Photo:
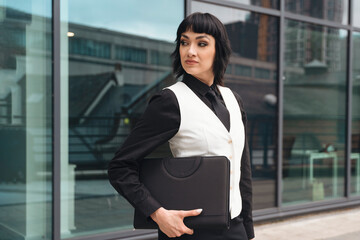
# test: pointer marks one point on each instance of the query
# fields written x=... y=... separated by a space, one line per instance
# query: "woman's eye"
x=183 y=43
x=203 y=44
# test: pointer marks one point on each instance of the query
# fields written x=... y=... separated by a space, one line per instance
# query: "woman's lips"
x=191 y=62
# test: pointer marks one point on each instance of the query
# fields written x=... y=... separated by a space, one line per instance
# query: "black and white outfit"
x=183 y=115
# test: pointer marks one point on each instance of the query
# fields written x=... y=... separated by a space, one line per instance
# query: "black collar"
x=197 y=85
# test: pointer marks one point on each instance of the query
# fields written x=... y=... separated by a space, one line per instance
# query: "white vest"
x=201 y=133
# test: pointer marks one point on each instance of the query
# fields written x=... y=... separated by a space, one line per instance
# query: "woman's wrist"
x=158 y=212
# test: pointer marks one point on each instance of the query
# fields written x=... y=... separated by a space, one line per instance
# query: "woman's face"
x=197 y=54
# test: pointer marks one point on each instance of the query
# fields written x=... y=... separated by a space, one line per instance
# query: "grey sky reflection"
x=154 y=19
x=157 y=19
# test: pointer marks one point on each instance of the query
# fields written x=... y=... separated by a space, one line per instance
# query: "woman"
x=197 y=116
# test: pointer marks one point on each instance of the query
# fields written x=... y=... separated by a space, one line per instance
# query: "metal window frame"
x=349 y=83
x=349 y=98
x=279 y=211
x=56 y=180
x=56 y=141
x=242 y=6
x=281 y=78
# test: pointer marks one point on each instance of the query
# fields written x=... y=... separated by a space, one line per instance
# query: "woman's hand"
x=171 y=222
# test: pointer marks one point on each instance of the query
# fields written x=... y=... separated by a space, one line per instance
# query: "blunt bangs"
x=209 y=24
x=199 y=23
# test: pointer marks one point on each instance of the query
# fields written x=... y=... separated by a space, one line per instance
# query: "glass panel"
x=333 y=10
x=355 y=133
x=115 y=55
x=355 y=12
x=254 y=41
x=261 y=3
x=25 y=119
x=314 y=112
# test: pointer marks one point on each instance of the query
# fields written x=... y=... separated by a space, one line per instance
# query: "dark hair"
x=209 y=24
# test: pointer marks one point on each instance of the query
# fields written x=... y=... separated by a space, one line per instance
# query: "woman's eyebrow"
x=198 y=37
x=202 y=36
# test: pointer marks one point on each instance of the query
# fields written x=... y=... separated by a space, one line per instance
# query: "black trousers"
x=235 y=232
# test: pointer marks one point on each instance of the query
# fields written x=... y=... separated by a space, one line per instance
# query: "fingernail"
x=199 y=210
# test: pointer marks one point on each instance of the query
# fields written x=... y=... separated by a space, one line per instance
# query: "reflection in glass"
x=261 y=3
x=116 y=57
x=355 y=12
x=335 y=10
x=355 y=131
x=25 y=120
x=252 y=73
x=314 y=112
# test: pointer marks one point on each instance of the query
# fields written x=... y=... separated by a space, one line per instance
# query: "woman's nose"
x=191 y=50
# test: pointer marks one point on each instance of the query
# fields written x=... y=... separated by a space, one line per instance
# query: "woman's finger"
x=191 y=213
x=188 y=231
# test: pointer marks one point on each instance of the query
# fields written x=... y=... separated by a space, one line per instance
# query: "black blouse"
x=159 y=123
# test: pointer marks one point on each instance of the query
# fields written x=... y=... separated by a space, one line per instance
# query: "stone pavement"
x=331 y=225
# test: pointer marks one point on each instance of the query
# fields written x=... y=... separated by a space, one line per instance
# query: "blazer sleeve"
x=246 y=179
x=159 y=123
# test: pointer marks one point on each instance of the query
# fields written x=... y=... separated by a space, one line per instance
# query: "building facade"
x=75 y=76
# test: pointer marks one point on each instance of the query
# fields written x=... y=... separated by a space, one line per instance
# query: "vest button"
x=230 y=141
x=230 y=188
x=231 y=172
x=230 y=157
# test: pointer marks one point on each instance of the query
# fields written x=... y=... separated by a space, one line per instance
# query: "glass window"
x=160 y=58
x=89 y=47
x=333 y=10
x=260 y=3
x=262 y=73
x=314 y=112
x=26 y=119
x=355 y=133
x=130 y=54
x=355 y=12
x=116 y=55
x=242 y=70
x=254 y=41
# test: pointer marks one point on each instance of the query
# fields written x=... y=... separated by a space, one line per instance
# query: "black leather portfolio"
x=186 y=184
